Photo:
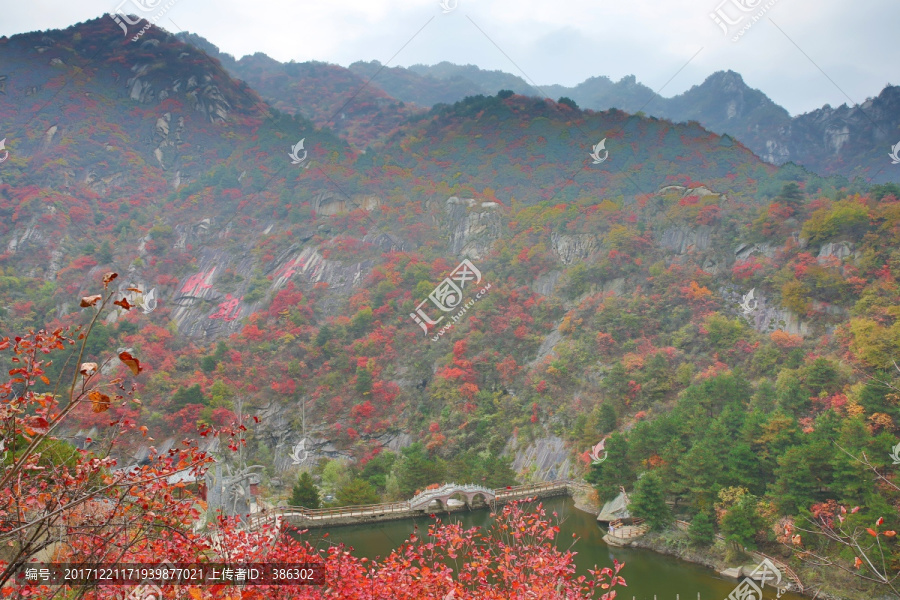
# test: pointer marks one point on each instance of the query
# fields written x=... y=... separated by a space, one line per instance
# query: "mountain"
x=852 y=142
x=328 y=95
x=717 y=317
x=849 y=141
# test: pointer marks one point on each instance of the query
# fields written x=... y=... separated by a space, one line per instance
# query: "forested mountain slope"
x=616 y=284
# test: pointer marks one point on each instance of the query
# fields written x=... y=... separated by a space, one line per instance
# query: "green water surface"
x=648 y=574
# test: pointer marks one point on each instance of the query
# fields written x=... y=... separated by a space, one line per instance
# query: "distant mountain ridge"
x=848 y=141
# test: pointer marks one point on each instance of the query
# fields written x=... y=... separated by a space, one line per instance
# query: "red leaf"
x=87 y=301
x=124 y=303
x=131 y=362
x=100 y=401
x=87 y=369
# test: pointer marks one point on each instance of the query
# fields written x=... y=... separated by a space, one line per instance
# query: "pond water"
x=648 y=574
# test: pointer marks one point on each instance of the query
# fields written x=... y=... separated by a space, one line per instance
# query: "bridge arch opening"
x=459 y=499
x=479 y=499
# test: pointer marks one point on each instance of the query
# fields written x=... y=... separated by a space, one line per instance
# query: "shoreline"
x=704 y=557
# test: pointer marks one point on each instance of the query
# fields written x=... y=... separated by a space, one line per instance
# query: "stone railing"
x=311 y=516
x=428 y=496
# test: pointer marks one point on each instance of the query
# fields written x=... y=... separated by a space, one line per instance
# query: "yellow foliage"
x=698 y=292
x=873 y=343
x=883 y=421
x=795 y=297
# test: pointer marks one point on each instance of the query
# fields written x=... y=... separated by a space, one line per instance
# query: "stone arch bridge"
x=447 y=491
x=474 y=496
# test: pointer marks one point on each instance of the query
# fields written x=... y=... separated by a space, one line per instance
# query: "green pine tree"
x=648 y=502
x=615 y=471
x=357 y=492
x=701 y=532
x=742 y=521
x=791 y=195
x=363 y=381
x=305 y=493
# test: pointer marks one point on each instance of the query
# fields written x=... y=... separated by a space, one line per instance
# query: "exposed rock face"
x=29 y=236
x=329 y=203
x=545 y=459
x=212 y=300
x=684 y=240
x=839 y=250
x=571 y=248
x=615 y=286
x=546 y=347
x=765 y=318
x=546 y=283
x=473 y=227
x=745 y=251
x=697 y=191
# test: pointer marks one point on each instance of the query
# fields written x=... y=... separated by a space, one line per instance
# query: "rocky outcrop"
x=764 y=317
x=684 y=191
x=473 y=226
x=329 y=203
x=684 y=240
x=839 y=250
x=745 y=251
x=30 y=236
x=545 y=284
x=546 y=347
x=571 y=248
x=544 y=459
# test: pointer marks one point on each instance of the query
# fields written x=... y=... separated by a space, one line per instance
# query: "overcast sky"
x=801 y=53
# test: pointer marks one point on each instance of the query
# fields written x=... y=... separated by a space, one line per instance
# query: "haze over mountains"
x=846 y=140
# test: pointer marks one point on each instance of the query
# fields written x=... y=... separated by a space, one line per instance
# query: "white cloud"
x=564 y=41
